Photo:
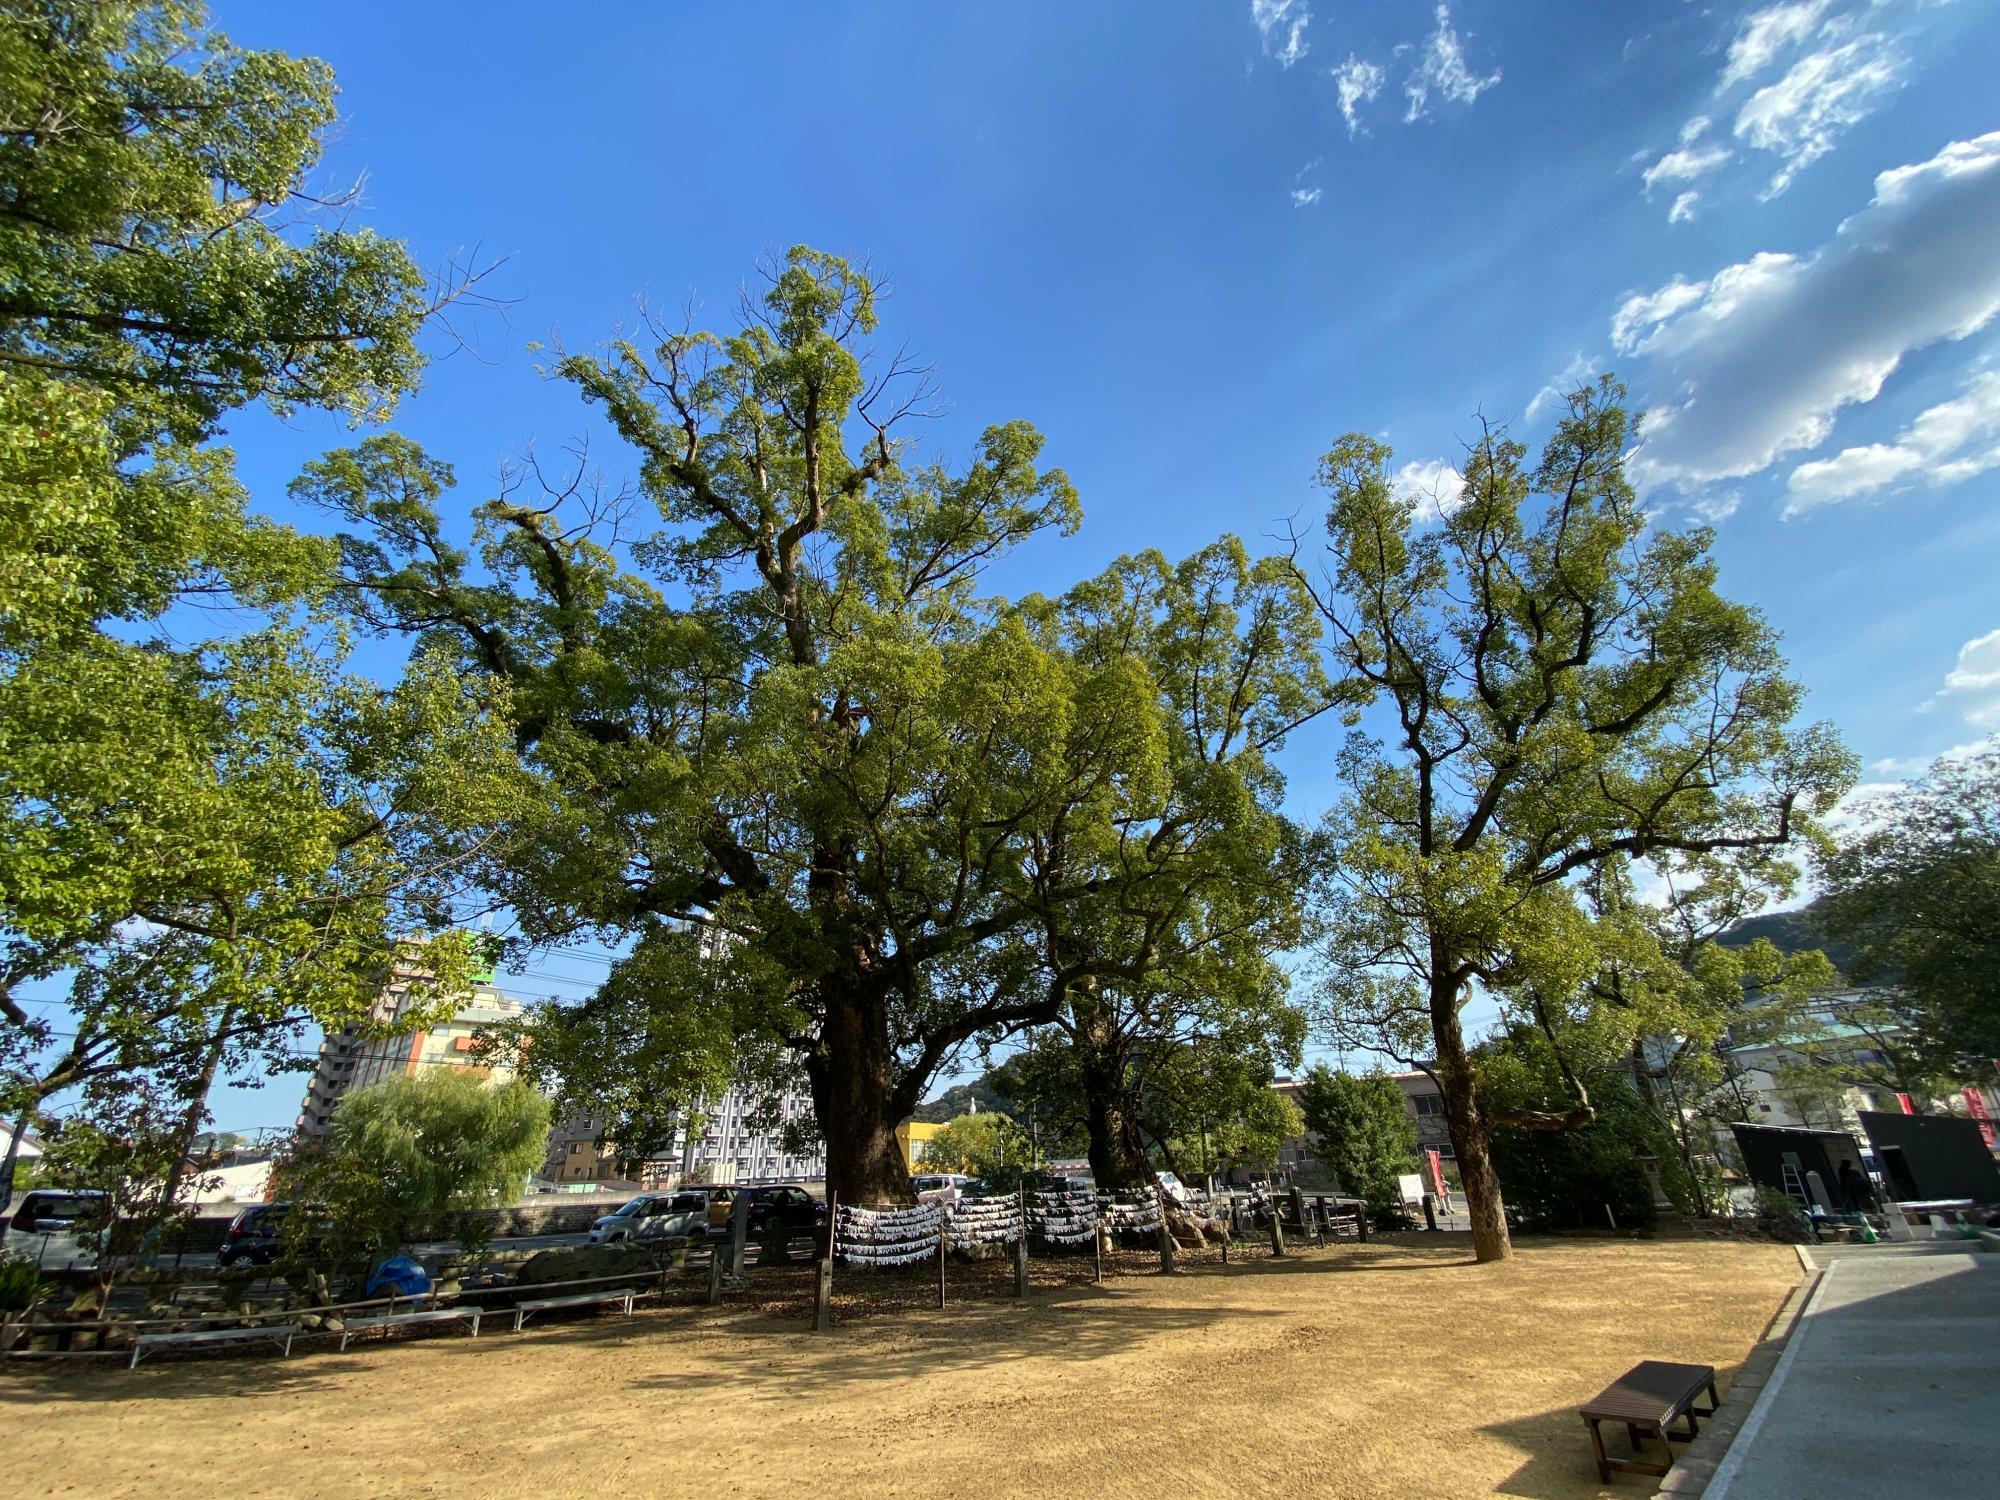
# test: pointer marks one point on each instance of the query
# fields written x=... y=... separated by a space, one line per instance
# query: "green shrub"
x=21 y=1284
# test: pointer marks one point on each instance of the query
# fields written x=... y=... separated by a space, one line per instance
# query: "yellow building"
x=914 y=1136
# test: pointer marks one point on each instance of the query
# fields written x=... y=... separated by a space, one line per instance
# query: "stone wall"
x=203 y=1235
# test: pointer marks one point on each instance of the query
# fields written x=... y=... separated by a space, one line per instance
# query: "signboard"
x=1436 y=1163
x=1975 y=1105
x=1411 y=1185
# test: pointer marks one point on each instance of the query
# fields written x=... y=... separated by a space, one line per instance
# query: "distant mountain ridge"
x=1791 y=932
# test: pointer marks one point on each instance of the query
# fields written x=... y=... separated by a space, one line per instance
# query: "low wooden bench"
x=1649 y=1398
x=280 y=1334
x=574 y=1299
x=353 y=1326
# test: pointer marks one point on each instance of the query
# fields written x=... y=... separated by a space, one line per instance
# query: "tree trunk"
x=197 y=1111
x=852 y=1071
x=1117 y=1151
x=1471 y=1138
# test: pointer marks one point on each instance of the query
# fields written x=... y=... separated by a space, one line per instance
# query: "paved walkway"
x=1889 y=1388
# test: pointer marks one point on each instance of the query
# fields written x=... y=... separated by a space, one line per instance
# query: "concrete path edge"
x=1704 y=1467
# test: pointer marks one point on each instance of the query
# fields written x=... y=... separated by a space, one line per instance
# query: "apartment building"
x=730 y=1146
x=357 y=1056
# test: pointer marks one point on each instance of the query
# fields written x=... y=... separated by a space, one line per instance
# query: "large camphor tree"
x=1562 y=685
x=1196 y=893
x=789 y=722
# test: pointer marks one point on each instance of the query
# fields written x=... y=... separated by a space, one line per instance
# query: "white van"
x=59 y=1229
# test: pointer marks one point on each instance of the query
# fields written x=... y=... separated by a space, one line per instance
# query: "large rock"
x=584 y=1262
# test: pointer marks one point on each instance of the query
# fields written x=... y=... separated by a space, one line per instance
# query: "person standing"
x=1856 y=1189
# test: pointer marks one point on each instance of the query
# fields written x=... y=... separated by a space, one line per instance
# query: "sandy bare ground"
x=1388 y=1370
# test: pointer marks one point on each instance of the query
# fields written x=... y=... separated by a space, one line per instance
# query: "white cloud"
x=1437 y=488
x=1443 y=69
x=1358 y=82
x=1305 y=197
x=1642 y=312
x=1754 y=362
x=1799 y=117
x=1714 y=508
x=1686 y=164
x=1559 y=385
x=1931 y=447
x=1917 y=765
x=1975 y=681
x=1282 y=26
x=1766 y=33
x=1683 y=209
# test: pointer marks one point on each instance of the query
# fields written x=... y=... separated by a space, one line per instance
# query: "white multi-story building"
x=357 y=1056
x=732 y=1147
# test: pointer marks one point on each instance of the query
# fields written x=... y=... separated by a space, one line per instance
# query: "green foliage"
x=986 y=1091
x=1252 y=1137
x=986 y=1145
x=151 y=246
x=1917 y=898
x=211 y=841
x=1174 y=996
x=404 y=1156
x=1564 y=1179
x=1569 y=688
x=21 y=1284
x=637 y=1056
x=126 y=1137
x=1363 y=1129
x=793 y=720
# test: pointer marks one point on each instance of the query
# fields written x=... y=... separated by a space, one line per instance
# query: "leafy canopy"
x=1364 y=1132
x=1917 y=896
x=789 y=718
x=204 y=837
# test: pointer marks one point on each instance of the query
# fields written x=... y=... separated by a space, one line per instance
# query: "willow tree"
x=1562 y=685
x=791 y=721
x=1196 y=891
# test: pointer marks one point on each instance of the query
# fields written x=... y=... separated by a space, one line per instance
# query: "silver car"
x=655 y=1216
x=59 y=1229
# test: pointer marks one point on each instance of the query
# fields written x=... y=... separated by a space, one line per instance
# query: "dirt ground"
x=1395 y=1369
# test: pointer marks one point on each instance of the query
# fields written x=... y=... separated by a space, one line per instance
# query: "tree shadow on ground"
x=220 y=1374
x=1560 y=1465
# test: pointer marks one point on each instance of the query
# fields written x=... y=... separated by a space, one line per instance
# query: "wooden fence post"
x=739 y=1229
x=1021 y=1245
x=714 y=1274
x=823 y=1296
x=823 y=1268
x=1166 y=1234
x=940 y=1258
x=1361 y=1220
x=1277 y=1228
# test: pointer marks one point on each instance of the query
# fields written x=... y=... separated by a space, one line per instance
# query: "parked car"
x=257 y=1235
x=60 y=1229
x=781 y=1218
x=939 y=1187
x=656 y=1216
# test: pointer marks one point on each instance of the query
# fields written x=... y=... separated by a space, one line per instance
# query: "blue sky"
x=1195 y=243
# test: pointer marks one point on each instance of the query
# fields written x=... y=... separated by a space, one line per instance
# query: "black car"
x=785 y=1221
x=257 y=1235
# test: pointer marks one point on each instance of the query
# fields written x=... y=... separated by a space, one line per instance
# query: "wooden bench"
x=353 y=1326
x=574 y=1299
x=280 y=1334
x=1649 y=1398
